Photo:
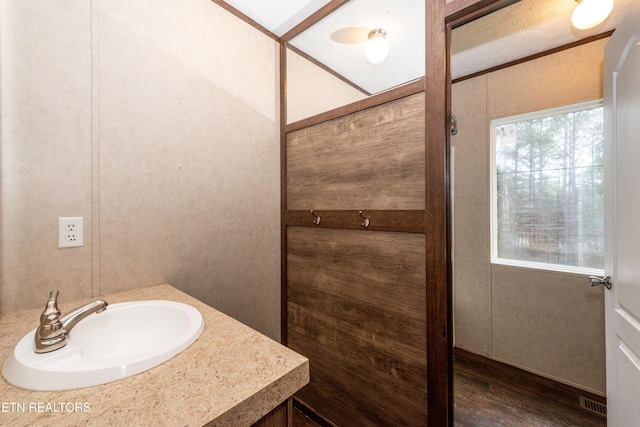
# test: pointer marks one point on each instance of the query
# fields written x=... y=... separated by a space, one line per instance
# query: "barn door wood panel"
x=356 y=310
x=372 y=159
x=355 y=294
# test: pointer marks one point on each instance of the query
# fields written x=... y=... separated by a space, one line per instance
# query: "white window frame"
x=494 y=189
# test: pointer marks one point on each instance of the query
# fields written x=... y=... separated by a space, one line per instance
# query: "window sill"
x=556 y=268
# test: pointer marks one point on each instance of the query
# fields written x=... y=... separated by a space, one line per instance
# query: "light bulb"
x=590 y=13
x=377 y=46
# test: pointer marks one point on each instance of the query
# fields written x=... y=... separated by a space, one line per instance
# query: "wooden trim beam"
x=245 y=18
x=536 y=56
x=437 y=221
x=373 y=101
x=460 y=12
x=313 y=19
x=283 y=193
x=456 y=7
x=409 y=221
x=327 y=69
x=309 y=412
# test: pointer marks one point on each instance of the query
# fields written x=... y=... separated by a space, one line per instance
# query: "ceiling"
x=277 y=16
x=403 y=20
x=338 y=41
x=520 y=30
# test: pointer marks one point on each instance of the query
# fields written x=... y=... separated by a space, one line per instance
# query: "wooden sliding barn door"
x=355 y=267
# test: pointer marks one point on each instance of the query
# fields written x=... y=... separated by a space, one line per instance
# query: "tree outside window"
x=548 y=188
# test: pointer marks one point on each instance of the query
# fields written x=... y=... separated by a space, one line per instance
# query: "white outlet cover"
x=70 y=232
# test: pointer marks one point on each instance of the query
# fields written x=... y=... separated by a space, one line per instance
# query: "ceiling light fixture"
x=590 y=13
x=377 y=46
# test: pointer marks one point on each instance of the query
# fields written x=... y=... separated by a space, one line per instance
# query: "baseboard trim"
x=311 y=413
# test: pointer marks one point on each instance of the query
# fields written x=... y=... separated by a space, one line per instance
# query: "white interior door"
x=622 y=222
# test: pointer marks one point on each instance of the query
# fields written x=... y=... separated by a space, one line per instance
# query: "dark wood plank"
x=356 y=310
x=281 y=416
x=312 y=418
x=490 y=393
x=373 y=159
x=493 y=394
x=302 y=420
x=379 y=220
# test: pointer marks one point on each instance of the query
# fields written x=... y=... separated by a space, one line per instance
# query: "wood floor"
x=491 y=394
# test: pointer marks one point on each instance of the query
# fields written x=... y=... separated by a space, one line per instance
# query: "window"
x=548 y=189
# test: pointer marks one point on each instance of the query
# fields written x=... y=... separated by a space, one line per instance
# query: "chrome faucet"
x=53 y=330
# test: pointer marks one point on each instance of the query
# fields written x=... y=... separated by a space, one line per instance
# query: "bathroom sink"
x=124 y=340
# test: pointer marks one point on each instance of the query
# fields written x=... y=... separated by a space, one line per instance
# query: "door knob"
x=597 y=281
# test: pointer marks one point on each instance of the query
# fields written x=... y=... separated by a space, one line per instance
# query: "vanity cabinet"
x=230 y=376
x=281 y=416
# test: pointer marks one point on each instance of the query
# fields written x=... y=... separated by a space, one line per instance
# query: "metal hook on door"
x=317 y=220
x=454 y=124
x=366 y=222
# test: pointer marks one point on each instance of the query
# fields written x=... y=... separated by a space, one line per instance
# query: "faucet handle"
x=50 y=334
x=51 y=313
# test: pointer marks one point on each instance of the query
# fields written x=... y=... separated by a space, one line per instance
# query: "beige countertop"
x=231 y=376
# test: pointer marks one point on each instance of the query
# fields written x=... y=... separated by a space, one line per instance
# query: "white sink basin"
x=124 y=340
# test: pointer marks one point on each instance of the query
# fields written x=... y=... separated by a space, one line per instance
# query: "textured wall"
x=157 y=122
x=312 y=90
x=45 y=84
x=549 y=323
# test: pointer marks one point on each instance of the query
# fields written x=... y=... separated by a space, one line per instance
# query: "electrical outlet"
x=70 y=232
